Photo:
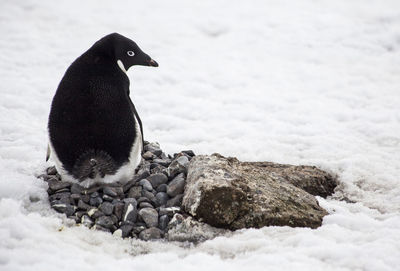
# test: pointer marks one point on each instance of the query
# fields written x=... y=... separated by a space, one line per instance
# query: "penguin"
x=95 y=132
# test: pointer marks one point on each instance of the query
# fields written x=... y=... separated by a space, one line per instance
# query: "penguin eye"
x=130 y=53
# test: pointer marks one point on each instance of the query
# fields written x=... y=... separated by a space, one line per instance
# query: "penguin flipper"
x=48 y=152
x=138 y=119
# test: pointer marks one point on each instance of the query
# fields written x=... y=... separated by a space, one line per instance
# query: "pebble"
x=83 y=206
x=95 y=201
x=135 y=192
x=175 y=201
x=110 y=191
x=176 y=186
x=163 y=162
x=55 y=184
x=161 y=199
x=162 y=188
x=163 y=222
x=157 y=179
x=127 y=210
x=149 y=216
x=149 y=195
x=148 y=155
x=119 y=209
x=107 y=208
x=169 y=211
x=126 y=230
x=146 y=184
x=178 y=165
x=87 y=221
x=105 y=221
x=130 y=210
x=144 y=204
x=154 y=148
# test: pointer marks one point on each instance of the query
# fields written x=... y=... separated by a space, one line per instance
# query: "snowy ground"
x=301 y=82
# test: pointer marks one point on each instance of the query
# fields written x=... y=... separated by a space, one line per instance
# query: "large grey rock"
x=227 y=193
x=184 y=229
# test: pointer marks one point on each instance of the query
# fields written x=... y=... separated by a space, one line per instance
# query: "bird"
x=95 y=132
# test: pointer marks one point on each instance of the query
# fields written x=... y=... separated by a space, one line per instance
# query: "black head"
x=124 y=51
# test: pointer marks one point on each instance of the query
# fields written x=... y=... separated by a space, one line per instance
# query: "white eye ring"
x=130 y=53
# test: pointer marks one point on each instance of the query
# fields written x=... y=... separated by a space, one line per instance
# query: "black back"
x=91 y=109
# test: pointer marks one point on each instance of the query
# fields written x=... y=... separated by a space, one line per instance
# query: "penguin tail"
x=93 y=163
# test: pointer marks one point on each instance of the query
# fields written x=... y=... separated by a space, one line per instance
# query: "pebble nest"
x=141 y=208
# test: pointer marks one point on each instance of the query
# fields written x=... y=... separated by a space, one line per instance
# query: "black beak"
x=152 y=63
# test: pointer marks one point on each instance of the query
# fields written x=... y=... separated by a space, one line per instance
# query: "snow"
x=299 y=82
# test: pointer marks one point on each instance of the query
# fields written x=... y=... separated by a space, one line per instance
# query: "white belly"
x=123 y=174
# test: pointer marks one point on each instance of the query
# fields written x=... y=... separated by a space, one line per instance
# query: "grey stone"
x=149 y=216
x=63 y=197
x=85 y=198
x=150 y=196
x=135 y=192
x=141 y=199
x=62 y=190
x=146 y=185
x=161 y=198
x=126 y=230
x=87 y=221
x=175 y=201
x=144 y=171
x=95 y=201
x=64 y=208
x=152 y=233
x=163 y=222
x=163 y=162
x=176 y=186
x=178 y=165
x=107 y=198
x=136 y=179
x=94 y=194
x=75 y=198
x=55 y=185
x=157 y=179
x=187 y=229
x=138 y=228
x=111 y=191
x=119 y=209
x=105 y=221
x=130 y=211
x=159 y=170
x=153 y=148
x=100 y=228
x=95 y=213
x=79 y=214
x=162 y=188
x=107 y=208
x=144 y=204
x=225 y=192
x=169 y=211
x=148 y=155
x=83 y=206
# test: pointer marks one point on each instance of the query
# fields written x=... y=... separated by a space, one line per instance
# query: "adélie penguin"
x=95 y=132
